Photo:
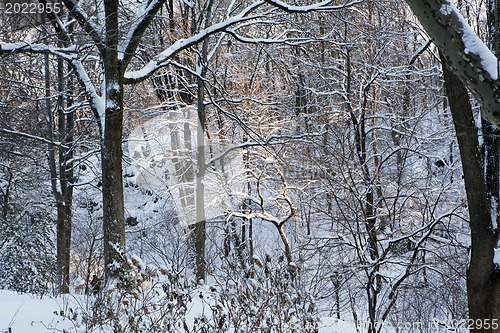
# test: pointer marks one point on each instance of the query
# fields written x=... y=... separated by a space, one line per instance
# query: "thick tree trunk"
x=112 y=182
x=111 y=150
x=483 y=282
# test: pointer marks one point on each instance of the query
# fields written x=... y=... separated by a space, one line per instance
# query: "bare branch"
x=322 y=6
x=182 y=44
x=30 y=136
x=23 y=47
x=420 y=51
x=85 y=21
x=136 y=32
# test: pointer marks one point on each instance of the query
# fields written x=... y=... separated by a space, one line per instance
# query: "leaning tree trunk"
x=481 y=175
x=483 y=280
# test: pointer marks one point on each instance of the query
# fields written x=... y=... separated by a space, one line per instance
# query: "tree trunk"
x=483 y=282
x=112 y=182
x=111 y=150
x=63 y=228
x=286 y=243
x=199 y=227
x=65 y=198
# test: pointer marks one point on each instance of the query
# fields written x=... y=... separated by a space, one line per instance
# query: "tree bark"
x=64 y=194
x=483 y=281
x=200 y=226
x=111 y=150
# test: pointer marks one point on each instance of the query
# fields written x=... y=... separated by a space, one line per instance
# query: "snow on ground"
x=26 y=313
x=29 y=314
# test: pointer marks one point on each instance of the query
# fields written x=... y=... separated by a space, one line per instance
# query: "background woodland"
x=310 y=165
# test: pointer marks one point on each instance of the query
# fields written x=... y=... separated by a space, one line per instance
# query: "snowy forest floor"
x=27 y=313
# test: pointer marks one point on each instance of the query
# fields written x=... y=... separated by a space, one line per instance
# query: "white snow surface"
x=28 y=313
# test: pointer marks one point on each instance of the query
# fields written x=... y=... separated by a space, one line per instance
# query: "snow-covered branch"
x=23 y=47
x=321 y=6
x=70 y=55
x=271 y=140
x=182 y=44
x=277 y=40
x=146 y=14
x=468 y=57
x=30 y=136
x=97 y=102
x=85 y=21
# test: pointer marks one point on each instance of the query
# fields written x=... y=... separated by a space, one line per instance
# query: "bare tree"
x=466 y=57
x=116 y=45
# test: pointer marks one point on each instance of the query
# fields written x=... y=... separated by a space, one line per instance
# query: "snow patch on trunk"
x=473 y=44
x=496 y=257
x=494 y=212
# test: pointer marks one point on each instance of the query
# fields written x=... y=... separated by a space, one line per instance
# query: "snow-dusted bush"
x=143 y=299
x=266 y=298
x=149 y=299
x=27 y=259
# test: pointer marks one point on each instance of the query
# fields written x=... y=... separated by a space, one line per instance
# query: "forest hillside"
x=249 y=166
